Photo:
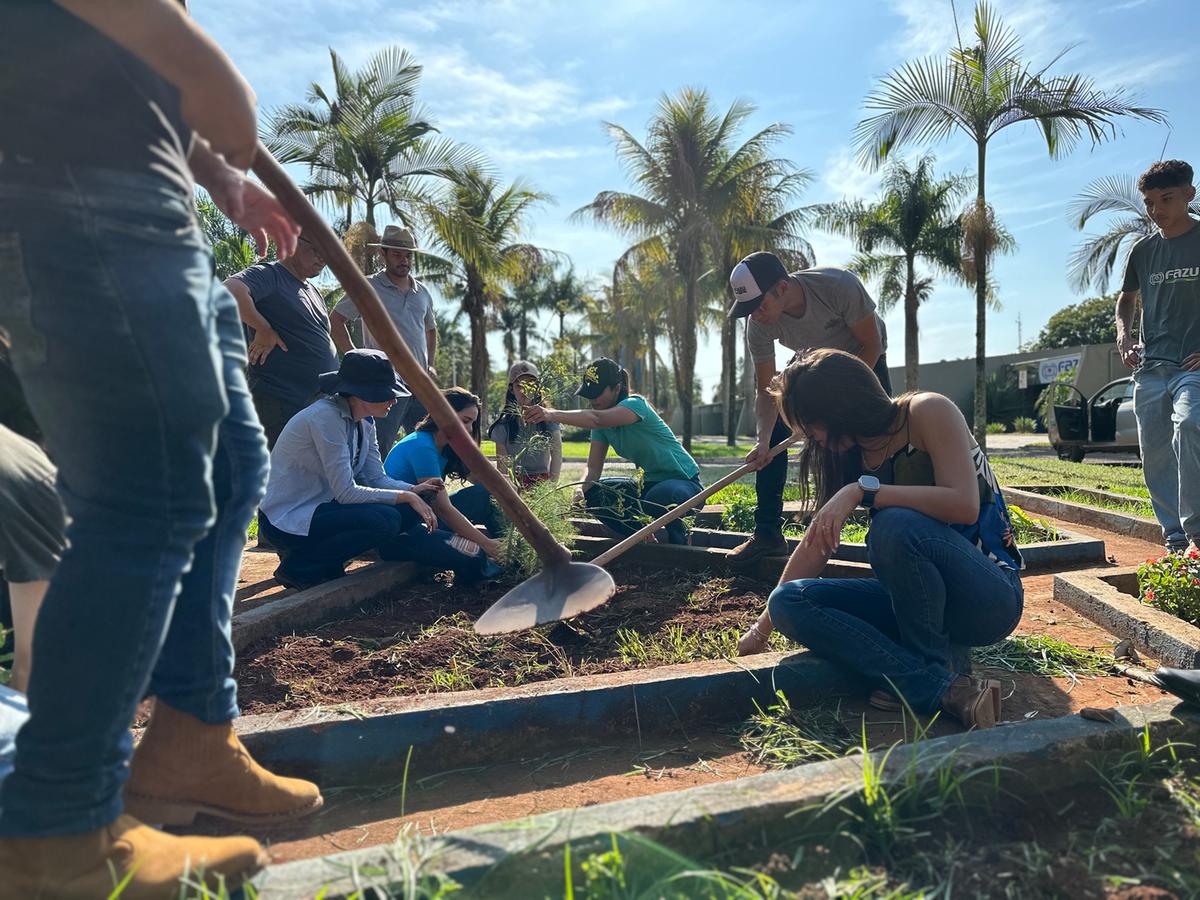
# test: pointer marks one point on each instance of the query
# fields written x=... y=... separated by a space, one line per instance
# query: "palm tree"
x=1093 y=261
x=366 y=143
x=687 y=175
x=981 y=90
x=476 y=222
x=915 y=218
x=231 y=245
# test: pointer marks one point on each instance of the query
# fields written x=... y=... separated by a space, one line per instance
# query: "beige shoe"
x=184 y=767
x=92 y=865
x=972 y=702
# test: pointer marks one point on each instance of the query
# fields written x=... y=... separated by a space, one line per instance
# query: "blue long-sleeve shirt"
x=323 y=455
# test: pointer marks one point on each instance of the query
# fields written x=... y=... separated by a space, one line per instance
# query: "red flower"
x=1149 y=595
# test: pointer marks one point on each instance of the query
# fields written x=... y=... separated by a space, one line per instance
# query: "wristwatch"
x=869 y=485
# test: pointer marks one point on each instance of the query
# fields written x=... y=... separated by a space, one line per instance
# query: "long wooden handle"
x=384 y=331
x=687 y=505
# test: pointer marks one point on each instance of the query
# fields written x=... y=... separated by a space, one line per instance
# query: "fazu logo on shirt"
x=1173 y=276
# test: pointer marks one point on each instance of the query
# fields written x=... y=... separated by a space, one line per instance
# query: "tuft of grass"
x=782 y=736
x=1131 y=507
x=1028 y=530
x=1043 y=655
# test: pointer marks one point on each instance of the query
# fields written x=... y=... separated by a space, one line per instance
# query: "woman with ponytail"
x=668 y=475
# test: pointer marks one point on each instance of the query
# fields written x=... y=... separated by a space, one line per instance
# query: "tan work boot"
x=183 y=767
x=91 y=865
x=973 y=702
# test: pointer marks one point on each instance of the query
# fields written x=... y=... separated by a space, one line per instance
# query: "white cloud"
x=846 y=179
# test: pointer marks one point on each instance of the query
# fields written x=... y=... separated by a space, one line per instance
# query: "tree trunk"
x=687 y=362
x=981 y=265
x=912 y=346
x=729 y=375
x=523 y=336
x=653 y=338
x=476 y=309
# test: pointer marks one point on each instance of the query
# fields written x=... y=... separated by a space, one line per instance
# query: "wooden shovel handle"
x=686 y=506
x=384 y=331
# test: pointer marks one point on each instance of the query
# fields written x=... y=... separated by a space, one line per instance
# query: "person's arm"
x=866 y=332
x=613 y=417
x=597 y=454
x=215 y=100
x=766 y=411
x=461 y=525
x=1127 y=303
x=266 y=338
x=500 y=436
x=431 y=349
x=556 y=453
x=340 y=333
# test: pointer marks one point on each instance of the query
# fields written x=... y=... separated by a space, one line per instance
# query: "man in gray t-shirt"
x=821 y=307
x=1164 y=268
x=410 y=306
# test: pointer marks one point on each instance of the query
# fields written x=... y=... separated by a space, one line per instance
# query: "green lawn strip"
x=1127 y=507
x=700 y=450
x=1045 y=470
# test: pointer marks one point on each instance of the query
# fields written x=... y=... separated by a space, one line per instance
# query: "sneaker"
x=761 y=543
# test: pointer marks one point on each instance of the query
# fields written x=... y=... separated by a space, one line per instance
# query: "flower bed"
x=1172 y=583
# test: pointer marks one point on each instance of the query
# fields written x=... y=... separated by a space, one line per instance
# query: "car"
x=1103 y=423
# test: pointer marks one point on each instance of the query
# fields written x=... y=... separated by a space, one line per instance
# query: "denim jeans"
x=339 y=532
x=932 y=590
x=617 y=504
x=770 y=480
x=1166 y=400
x=131 y=355
x=475 y=502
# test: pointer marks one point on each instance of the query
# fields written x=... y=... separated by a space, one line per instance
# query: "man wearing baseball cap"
x=824 y=306
x=410 y=306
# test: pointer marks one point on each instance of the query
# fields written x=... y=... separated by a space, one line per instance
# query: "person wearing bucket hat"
x=813 y=308
x=328 y=498
x=529 y=454
x=410 y=306
x=634 y=429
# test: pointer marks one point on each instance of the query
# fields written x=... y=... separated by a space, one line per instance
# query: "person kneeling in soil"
x=529 y=455
x=328 y=498
x=940 y=541
x=426 y=453
x=669 y=475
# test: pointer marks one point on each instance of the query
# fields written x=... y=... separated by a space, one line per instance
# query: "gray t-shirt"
x=1167 y=272
x=411 y=311
x=530 y=451
x=836 y=300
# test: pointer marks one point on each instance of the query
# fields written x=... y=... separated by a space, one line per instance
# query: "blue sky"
x=530 y=83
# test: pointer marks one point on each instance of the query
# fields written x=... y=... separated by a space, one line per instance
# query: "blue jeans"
x=131 y=355
x=770 y=480
x=339 y=532
x=1166 y=400
x=618 y=505
x=475 y=503
x=932 y=590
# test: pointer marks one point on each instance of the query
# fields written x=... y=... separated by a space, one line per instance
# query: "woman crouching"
x=940 y=541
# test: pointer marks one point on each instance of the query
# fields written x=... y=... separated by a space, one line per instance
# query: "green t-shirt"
x=1167 y=272
x=649 y=444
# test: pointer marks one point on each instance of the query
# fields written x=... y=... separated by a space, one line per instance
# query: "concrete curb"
x=523 y=858
x=304 y=609
x=1110 y=599
x=1108 y=520
x=370 y=741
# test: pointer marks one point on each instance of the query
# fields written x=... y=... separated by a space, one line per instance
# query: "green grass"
x=1128 y=507
x=740 y=491
x=1043 y=655
x=1045 y=470
x=782 y=736
x=700 y=450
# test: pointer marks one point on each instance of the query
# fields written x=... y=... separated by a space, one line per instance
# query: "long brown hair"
x=836 y=391
x=459 y=399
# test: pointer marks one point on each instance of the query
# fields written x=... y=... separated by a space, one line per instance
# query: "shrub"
x=996 y=428
x=550 y=503
x=1172 y=584
x=1024 y=425
x=1028 y=530
x=739 y=512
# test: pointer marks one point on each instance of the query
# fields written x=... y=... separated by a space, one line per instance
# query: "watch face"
x=868 y=483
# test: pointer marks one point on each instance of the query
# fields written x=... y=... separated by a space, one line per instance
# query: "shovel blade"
x=556 y=592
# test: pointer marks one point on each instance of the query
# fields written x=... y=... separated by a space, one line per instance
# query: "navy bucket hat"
x=367 y=374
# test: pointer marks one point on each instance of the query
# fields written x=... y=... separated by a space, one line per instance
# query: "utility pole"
x=1020 y=343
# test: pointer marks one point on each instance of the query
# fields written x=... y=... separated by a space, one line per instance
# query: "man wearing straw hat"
x=410 y=305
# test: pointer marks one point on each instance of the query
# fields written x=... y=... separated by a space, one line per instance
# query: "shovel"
x=685 y=507
x=563 y=588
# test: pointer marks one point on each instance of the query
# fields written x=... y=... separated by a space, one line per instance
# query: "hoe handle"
x=367 y=302
x=686 y=506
